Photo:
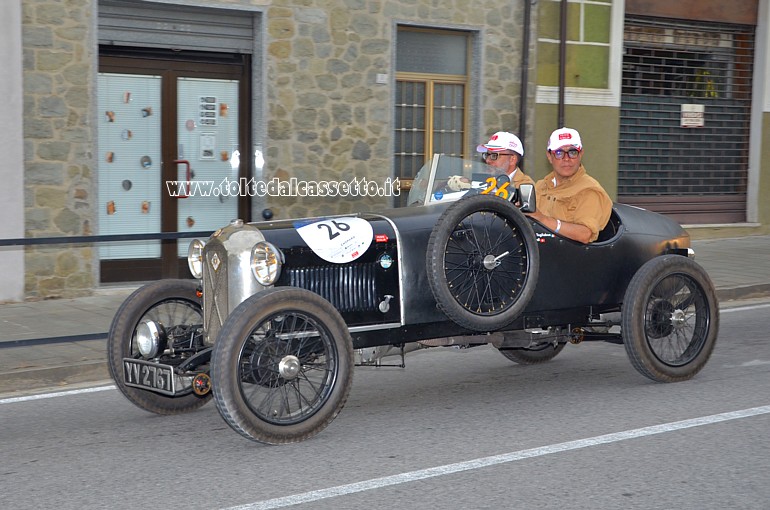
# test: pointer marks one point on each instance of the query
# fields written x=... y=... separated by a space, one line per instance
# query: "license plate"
x=149 y=376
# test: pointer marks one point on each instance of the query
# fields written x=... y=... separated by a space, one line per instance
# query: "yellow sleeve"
x=521 y=178
x=593 y=211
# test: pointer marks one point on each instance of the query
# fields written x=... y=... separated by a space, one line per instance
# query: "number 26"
x=499 y=192
x=340 y=226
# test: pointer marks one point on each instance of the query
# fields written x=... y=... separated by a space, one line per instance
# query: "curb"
x=56 y=376
x=743 y=292
x=30 y=379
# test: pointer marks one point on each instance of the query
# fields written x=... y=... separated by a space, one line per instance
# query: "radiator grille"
x=215 y=296
x=350 y=287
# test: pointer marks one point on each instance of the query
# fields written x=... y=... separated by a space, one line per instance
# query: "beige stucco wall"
x=599 y=128
x=593 y=30
x=11 y=147
x=764 y=173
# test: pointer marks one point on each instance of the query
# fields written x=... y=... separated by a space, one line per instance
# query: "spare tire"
x=483 y=262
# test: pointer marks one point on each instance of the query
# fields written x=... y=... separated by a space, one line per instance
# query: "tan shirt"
x=579 y=199
x=520 y=177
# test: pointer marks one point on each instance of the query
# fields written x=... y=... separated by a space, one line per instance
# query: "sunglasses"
x=572 y=153
x=492 y=156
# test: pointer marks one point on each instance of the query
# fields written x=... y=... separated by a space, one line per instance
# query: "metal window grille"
x=449 y=117
x=410 y=127
x=422 y=130
x=662 y=165
x=431 y=102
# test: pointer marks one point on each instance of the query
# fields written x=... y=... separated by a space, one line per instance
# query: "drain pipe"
x=523 y=98
x=562 y=61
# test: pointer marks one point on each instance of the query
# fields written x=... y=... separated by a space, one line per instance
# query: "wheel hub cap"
x=289 y=367
x=678 y=319
x=490 y=262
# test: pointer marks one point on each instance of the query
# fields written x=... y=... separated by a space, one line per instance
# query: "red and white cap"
x=564 y=136
x=502 y=141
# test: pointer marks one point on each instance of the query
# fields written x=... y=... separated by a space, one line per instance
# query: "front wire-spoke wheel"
x=175 y=305
x=670 y=319
x=282 y=366
x=287 y=368
x=483 y=263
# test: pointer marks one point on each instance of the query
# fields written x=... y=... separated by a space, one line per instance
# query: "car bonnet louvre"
x=350 y=287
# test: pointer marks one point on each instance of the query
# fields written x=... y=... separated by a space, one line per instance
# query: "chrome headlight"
x=150 y=338
x=266 y=262
x=195 y=258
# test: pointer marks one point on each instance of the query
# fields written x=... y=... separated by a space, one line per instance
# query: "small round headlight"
x=195 y=258
x=266 y=262
x=150 y=338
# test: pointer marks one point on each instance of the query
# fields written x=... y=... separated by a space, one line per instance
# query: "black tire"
x=670 y=319
x=536 y=356
x=282 y=366
x=539 y=353
x=171 y=302
x=473 y=287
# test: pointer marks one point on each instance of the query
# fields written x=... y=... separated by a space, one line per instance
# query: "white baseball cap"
x=502 y=141
x=564 y=136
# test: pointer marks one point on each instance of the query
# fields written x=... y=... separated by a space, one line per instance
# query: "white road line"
x=44 y=396
x=413 y=476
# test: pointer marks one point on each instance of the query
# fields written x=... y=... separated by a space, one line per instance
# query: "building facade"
x=676 y=90
x=163 y=116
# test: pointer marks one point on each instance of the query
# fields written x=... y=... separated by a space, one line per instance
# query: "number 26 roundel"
x=337 y=240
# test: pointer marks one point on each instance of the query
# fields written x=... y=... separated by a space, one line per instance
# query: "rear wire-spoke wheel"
x=282 y=366
x=483 y=262
x=535 y=355
x=670 y=319
x=172 y=303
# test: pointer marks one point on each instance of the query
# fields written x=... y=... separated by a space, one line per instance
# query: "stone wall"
x=59 y=192
x=327 y=120
x=326 y=117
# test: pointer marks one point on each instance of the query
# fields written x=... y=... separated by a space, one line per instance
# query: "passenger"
x=503 y=153
x=569 y=201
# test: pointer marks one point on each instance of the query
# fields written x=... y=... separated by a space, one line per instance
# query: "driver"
x=569 y=201
x=502 y=153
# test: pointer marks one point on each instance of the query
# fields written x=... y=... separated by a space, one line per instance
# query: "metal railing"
x=86 y=239
x=107 y=238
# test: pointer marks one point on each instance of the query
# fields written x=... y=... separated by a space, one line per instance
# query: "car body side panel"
x=358 y=288
x=415 y=225
x=572 y=275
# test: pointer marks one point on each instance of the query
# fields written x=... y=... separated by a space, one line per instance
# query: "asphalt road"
x=455 y=429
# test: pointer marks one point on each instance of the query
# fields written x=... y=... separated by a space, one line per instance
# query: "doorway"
x=172 y=128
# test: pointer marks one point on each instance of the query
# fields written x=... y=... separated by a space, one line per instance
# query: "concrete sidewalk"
x=61 y=342
x=56 y=342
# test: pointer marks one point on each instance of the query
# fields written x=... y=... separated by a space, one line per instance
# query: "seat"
x=611 y=229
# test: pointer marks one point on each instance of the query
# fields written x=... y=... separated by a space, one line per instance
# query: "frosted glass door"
x=207 y=127
x=129 y=163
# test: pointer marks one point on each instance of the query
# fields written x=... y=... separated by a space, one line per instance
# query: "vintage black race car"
x=280 y=312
